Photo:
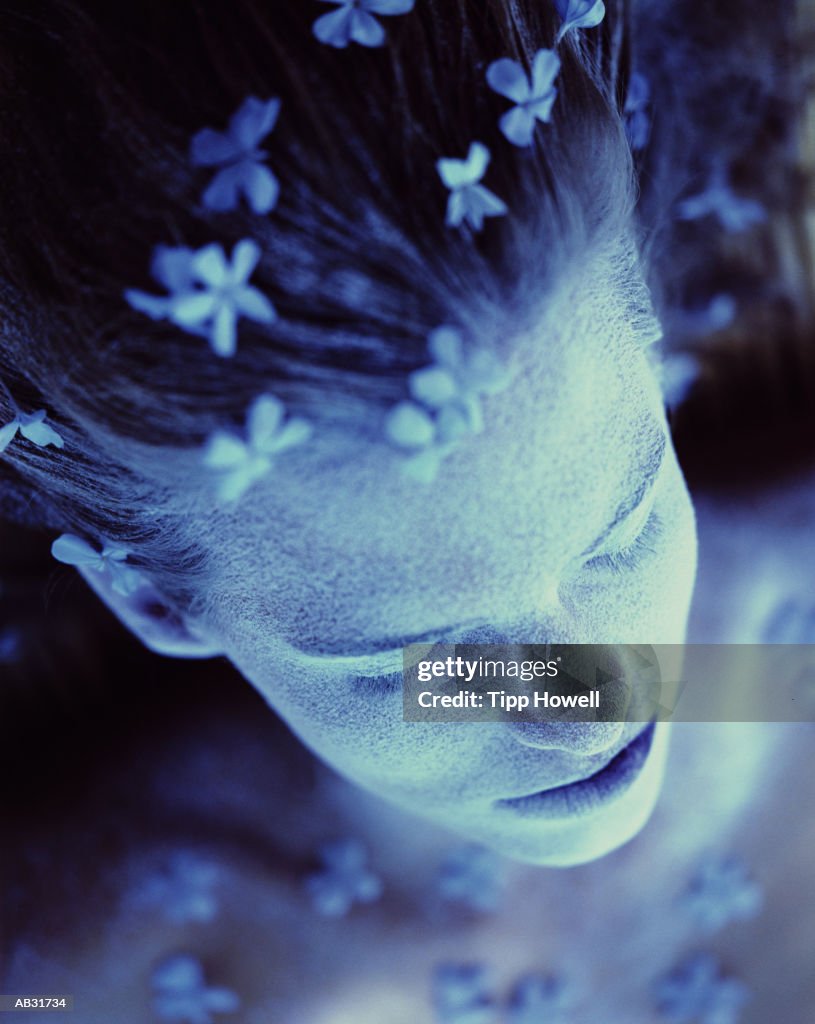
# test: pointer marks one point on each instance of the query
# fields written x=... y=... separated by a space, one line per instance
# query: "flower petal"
x=72 y=550
x=210 y=148
x=225 y=451
x=481 y=203
x=263 y=421
x=518 y=126
x=579 y=14
x=433 y=386
x=7 y=434
x=446 y=346
x=245 y=258
x=41 y=434
x=296 y=431
x=224 y=335
x=334 y=28
x=456 y=208
x=388 y=6
x=222 y=192
x=260 y=187
x=210 y=266
x=366 y=30
x=424 y=467
x=253 y=120
x=478 y=159
x=193 y=309
x=545 y=69
x=172 y=267
x=542 y=108
x=409 y=426
x=254 y=305
x=155 y=306
x=508 y=78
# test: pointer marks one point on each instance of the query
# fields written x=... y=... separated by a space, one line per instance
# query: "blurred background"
x=171 y=853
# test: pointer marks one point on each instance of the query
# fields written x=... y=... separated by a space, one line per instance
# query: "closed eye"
x=631 y=553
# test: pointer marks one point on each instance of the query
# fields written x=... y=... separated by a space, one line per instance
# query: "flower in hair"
x=446 y=402
x=238 y=154
x=207 y=292
x=33 y=427
x=241 y=461
x=355 y=21
x=734 y=212
x=637 y=119
x=579 y=14
x=111 y=561
x=469 y=201
x=533 y=95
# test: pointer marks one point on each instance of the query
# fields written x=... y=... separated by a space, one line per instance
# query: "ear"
x=147 y=614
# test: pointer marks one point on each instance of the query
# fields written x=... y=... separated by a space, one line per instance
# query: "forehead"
x=351 y=548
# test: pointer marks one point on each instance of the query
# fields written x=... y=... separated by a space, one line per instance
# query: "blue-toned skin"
x=566 y=520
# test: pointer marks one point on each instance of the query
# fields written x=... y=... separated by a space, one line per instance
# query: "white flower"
x=237 y=152
x=181 y=994
x=33 y=428
x=71 y=550
x=447 y=402
x=579 y=14
x=533 y=96
x=469 y=200
x=355 y=21
x=242 y=461
x=208 y=293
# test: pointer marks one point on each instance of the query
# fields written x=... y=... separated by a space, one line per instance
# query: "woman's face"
x=567 y=520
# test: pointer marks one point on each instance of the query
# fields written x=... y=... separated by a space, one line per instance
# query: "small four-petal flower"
x=533 y=94
x=697 y=991
x=579 y=14
x=208 y=293
x=241 y=461
x=110 y=561
x=734 y=212
x=33 y=428
x=446 y=402
x=355 y=21
x=721 y=891
x=237 y=154
x=345 y=879
x=469 y=201
x=182 y=995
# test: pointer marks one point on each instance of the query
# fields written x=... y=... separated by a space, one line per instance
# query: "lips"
x=578 y=799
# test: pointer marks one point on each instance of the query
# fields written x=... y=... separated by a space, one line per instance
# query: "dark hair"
x=100 y=103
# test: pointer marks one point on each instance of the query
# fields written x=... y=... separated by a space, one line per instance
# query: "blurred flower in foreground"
x=180 y=993
x=540 y=999
x=735 y=213
x=461 y=995
x=473 y=877
x=696 y=991
x=344 y=880
x=720 y=892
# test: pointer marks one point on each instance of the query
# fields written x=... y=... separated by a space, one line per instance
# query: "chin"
x=578 y=839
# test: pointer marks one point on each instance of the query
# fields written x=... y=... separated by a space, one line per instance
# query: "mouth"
x=579 y=799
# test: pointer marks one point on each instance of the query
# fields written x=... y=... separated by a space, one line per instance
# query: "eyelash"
x=378 y=685
x=630 y=556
